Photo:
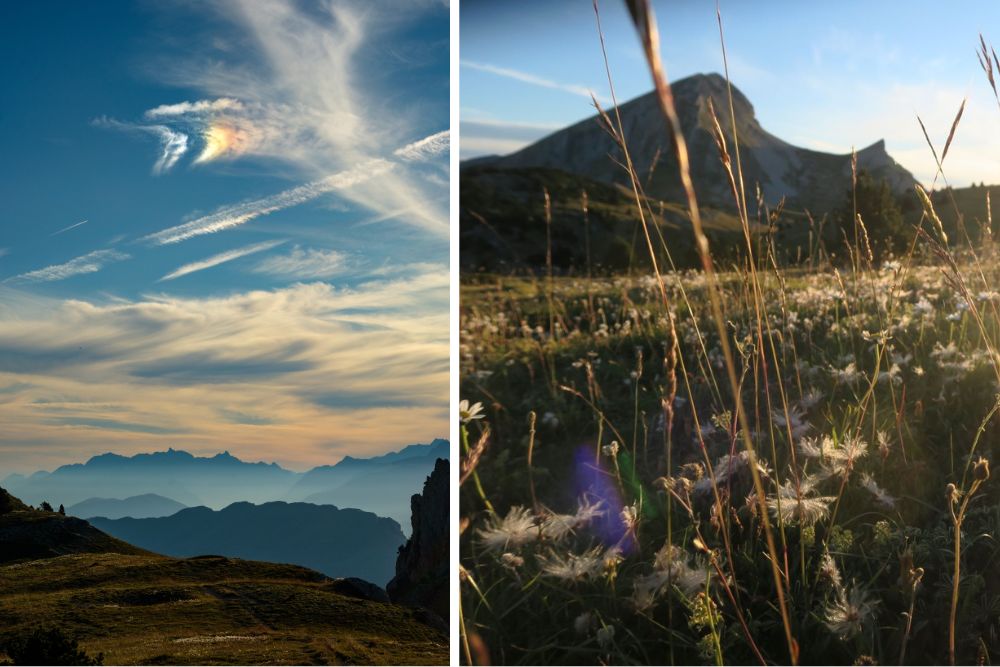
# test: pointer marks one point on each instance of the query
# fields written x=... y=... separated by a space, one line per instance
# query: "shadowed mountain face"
x=145 y=506
x=808 y=179
x=336 y=542
x=422 y=566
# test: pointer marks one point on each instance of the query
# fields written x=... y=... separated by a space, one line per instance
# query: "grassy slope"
x=503 y=222
x=149 y=609
x=33 y=534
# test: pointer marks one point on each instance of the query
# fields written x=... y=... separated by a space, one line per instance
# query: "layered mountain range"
x=148 y=485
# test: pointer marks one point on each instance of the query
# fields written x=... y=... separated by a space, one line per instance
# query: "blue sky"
x=827 y=76
x=223 y=225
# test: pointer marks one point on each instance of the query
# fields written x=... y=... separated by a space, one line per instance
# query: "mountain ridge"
x=142 y=506
x=339 y=542
x=807 y=178
x=215 y=481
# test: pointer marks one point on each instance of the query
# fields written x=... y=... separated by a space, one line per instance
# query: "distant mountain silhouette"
x=146 y=506
x=30 y=534
x=336 y=542
x=223 y=479
x=807 y=178
x=192 y=480
x=382 y=484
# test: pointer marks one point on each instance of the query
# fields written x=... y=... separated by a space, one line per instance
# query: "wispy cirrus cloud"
x=525 y=77
x=196 y=107
x=304 y=263
x=221 y=258
x=173 y=143
x=238 y=214
x=89 y=263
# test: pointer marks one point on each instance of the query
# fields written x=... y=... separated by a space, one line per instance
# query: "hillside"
x=148 y=609
x=138 y=507
x=143 y=608
x=502 y=223
x=336 y=542
x=970 y=203
x=29 y=534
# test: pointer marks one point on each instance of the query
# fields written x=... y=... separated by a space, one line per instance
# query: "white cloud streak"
x=89 y=263
x=425 y=148
x=221 y=258
x=198 y=107
x=238 y=214
x=525 y=77
x=308 y=263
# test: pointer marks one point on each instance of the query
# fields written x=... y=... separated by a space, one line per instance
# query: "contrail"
x=66 y=229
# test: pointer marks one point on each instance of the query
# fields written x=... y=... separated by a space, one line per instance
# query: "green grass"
x=148 y=609
x=602 y=376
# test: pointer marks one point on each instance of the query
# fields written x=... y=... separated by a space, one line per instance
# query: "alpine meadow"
x=729 y=398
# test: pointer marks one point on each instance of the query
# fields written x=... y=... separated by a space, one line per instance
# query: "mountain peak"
x=877 y=147
x=805 y=178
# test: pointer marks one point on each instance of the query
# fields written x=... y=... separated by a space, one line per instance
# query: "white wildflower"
x=798 y=506
x=606 y=635
x=513 y=530
x=882 y=497
x=573 y=567
x=469 y=413
x=512 y=561
x=848 y=612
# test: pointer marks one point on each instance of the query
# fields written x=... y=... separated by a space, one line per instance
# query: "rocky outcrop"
x=422 y=565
